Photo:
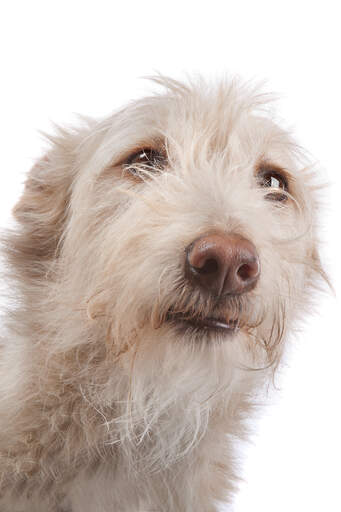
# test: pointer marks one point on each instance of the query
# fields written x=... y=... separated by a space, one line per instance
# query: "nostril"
x=210 y=266
x=247 y=271
x=244 y=272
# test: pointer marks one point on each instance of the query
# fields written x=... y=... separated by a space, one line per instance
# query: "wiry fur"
x=104 y=405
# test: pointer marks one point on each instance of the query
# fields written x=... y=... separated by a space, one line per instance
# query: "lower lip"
x=210 y=325
x=207 y=324
x=213 y=323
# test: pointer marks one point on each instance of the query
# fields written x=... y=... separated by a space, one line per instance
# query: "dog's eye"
x=276 y=181
x=145 y=159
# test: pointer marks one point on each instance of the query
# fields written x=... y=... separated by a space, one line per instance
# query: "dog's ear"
x=42 y=210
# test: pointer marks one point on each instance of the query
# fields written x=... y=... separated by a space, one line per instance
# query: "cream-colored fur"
x=105 y=406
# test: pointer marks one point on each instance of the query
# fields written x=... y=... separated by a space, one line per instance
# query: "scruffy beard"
x=175 y=365
x=207 y=319
x=176 y=371
x=201 y=320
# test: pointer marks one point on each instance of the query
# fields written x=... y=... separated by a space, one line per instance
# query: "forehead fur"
x=230 y=118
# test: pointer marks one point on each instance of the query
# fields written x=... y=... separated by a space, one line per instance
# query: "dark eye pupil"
x=147 y=158
x=274 y=181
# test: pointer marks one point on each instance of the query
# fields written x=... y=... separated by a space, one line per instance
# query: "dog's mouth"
x=212 y=324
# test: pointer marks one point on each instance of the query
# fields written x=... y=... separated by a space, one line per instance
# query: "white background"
x=61 y=57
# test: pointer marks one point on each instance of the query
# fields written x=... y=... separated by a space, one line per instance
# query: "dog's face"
x=166 y=251
x=191 y=221
x=184 y=217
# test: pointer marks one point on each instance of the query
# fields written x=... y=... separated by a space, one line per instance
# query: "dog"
x=160 y=261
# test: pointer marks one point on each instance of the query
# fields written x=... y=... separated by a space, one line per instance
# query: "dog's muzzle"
x=223 y=268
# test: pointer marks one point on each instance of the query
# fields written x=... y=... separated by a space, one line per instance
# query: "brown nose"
x=223 y=264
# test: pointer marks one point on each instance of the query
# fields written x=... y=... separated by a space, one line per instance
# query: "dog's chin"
x=203 y=327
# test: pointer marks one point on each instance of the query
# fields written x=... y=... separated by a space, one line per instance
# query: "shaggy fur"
x=105 y=405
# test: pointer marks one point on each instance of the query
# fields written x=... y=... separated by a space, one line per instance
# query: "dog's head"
x=179 y=231
x=163 y=253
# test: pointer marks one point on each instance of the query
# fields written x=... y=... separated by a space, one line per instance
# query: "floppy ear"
x=42 y=210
